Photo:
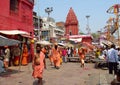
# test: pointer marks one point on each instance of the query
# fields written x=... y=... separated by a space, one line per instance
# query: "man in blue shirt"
x=112 y=59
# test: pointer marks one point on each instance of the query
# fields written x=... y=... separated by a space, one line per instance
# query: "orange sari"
x=25 y=56
x=74 y=52
x=25 y=59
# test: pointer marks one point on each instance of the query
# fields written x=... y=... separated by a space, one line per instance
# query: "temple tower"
x=71 y=24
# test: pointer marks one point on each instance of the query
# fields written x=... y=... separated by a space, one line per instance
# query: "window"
x=70 y=32
x=32 y=1
x=14 y=5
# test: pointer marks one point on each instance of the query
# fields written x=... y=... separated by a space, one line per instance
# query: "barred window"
x=14 y=5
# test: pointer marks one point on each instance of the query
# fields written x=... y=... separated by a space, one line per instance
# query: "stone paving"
x=69 y=74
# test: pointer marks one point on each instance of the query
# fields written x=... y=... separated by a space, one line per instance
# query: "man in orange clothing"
x=81 y=53
x=39 y=69
x=56 y=57
x=50 y=55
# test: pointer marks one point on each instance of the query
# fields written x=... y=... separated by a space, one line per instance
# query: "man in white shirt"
x=112 y=59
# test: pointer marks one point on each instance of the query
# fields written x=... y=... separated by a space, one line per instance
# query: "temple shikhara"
x=72 y=29
x=71 y=24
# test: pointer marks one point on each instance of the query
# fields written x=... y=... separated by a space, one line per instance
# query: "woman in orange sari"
x=38 y=69
x=25 y=55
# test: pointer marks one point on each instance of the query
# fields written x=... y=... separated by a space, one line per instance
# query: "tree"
x=95 y=36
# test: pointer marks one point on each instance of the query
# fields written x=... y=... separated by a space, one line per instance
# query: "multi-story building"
x=37 y=27
x=61 y=28
x=48 y=29
x=16 y=17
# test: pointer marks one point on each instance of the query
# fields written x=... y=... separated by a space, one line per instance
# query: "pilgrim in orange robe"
x=25 y=56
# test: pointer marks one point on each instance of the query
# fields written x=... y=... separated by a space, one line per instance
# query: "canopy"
x=76 y=40
x=7 y=42
x=13 y=32
x=61 y=44
x=44 y=42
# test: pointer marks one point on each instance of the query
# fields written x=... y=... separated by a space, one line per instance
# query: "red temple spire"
x=71 y=23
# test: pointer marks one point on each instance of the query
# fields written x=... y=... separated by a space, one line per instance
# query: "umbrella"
x=44 y=42
x=7 y=42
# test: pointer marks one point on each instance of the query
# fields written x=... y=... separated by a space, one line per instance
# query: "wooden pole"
x=117 y=18
x=21 y=58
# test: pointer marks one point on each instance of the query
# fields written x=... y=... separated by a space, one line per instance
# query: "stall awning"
x=4 y=41
x=76 y=40
x=44 y=42
x=13 y=32
x=25 y=35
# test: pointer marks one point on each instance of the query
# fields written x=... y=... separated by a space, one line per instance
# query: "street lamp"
x=39 y=20
x=88 y=28
x=48 y=10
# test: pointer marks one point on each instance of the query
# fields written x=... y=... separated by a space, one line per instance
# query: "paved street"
x=69 y=74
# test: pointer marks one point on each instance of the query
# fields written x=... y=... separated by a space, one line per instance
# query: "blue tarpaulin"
x=8 y=42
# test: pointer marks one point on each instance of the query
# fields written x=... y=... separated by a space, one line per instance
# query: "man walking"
x=112 y=59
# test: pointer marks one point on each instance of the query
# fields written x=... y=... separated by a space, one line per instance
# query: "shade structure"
x=8 y=42
x=13 y=32
x=61 y=44
x=44 y=42
x=76 y=40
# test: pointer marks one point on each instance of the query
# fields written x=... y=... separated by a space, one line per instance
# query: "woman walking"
x=39 y=64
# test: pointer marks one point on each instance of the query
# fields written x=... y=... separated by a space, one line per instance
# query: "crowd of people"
x=111 y=54
x=57 y=55
x=13 y=56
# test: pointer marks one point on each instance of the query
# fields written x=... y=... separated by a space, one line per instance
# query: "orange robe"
x=81 y=55
x=25 y=56
x=38 y=69
x=56 y=58
x=50 y=56
x=74 y=52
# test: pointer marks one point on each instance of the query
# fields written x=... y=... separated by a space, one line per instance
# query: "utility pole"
x=87 y=27
x=39 y=20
